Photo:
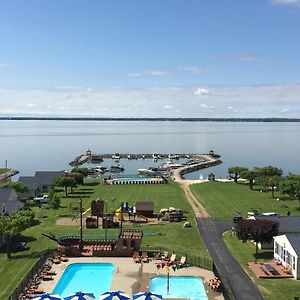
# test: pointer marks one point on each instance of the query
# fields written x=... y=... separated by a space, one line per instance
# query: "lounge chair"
x=136 y=257
x=145 y=258
x=173 y=258
x=63 y=258
x=56 y=260
x=165 y=255
x=182 y=262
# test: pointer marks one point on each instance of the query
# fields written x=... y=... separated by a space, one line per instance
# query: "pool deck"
x=131 y=277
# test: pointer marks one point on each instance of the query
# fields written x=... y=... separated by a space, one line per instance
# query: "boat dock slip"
x=83 y=158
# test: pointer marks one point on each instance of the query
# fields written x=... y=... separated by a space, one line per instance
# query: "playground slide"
x=142 y=216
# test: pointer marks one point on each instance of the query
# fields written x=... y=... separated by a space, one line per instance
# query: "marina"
x=171 y=164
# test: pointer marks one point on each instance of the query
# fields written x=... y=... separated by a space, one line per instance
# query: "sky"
x=141 y=58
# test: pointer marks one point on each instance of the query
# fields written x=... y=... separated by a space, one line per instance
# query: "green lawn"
x=3 y=170
x=221 y=200
x=169 y=236
x=279 y=289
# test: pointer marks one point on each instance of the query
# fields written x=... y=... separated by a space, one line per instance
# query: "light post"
x=106 y=220
x=81 y=235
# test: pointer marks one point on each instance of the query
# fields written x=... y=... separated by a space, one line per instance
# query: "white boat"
x=156 y=156
x=146 y=172
x=169 y=165
x=117 y=168
x=100 y=169
x=173 y=156
x=149 y=171
x=116 y=156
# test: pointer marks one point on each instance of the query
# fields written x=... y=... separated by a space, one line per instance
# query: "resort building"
x=9 y=201
x=287 y=251
x=39 y=183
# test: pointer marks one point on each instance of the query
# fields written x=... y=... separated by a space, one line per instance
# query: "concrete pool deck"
x=131 y=277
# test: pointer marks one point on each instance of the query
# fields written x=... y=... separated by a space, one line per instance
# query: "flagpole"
x=168 y=278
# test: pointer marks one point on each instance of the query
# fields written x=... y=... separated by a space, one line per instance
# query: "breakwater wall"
x=208 y=161
x=8 y=174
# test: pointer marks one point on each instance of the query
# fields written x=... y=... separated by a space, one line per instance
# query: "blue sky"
x=130 y=58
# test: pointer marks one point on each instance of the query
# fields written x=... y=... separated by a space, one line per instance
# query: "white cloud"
x=204 y=105
x=201 y=92
x=154 y=73
x=7 y=65
x=69 y=87
x=285 y=2
x=192 y=69
x=246 y=58
x=175 y=101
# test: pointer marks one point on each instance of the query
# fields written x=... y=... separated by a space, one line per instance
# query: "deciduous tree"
x=12 y=225
x=259 y=231
x=65 y=182
x=235 y=172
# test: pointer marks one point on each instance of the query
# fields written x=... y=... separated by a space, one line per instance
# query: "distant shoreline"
x=151 y=119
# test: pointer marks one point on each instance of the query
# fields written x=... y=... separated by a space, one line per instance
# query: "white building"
x=287 y=250
x=9 y=201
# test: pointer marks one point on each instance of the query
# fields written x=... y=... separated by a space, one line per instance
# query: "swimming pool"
x=89 y=277
x=180 y=287
x=137 y=180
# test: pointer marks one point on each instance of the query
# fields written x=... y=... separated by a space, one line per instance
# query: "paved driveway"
x=240 y=284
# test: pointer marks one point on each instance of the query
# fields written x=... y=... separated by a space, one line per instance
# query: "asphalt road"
x=240 y=284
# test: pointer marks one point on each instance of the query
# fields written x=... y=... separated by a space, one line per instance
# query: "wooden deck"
x=261 y=272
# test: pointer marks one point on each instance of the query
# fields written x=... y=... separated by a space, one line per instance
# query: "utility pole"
x=81 y=238
x=106 y=220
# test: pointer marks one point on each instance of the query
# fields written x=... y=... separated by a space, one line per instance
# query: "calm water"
x=51 y=145
x=92 y=277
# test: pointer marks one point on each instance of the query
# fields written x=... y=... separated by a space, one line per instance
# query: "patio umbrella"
x=147 y=296
x=46 y=296
x=118 y=295
x=80 y=296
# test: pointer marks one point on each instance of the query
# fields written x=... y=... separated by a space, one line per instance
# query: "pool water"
x=180 y=287
x=95 y=278
x=137 y=179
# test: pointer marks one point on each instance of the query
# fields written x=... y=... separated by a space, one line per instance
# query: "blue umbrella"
x=118 y=295
x=46 y=296
x=147 y=296
x=81 y=296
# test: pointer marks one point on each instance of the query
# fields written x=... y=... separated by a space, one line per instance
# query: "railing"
x=226 y=289
x=192 y=260
x=26 y=279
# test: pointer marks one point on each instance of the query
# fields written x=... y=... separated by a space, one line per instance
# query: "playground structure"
x=141 y=212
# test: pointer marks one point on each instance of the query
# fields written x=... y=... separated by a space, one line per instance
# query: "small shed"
x=92 y=222
x=145 y=208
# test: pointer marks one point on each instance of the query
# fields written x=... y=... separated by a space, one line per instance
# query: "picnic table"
x=268 y=268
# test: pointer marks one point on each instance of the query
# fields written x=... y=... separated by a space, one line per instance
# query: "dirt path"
x=199 y=210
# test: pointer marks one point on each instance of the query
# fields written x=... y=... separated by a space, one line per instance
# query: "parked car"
x=42 y=199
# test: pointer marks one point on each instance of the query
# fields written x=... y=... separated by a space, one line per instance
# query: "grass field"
x=221 y=200
x=279 y=289
x=171 y=236
x=3 y=170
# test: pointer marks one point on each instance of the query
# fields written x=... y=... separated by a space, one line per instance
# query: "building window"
x=3 y=209
x=276 y=248
x=294 y=263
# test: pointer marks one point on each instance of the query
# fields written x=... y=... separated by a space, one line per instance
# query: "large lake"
x=50 y=145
